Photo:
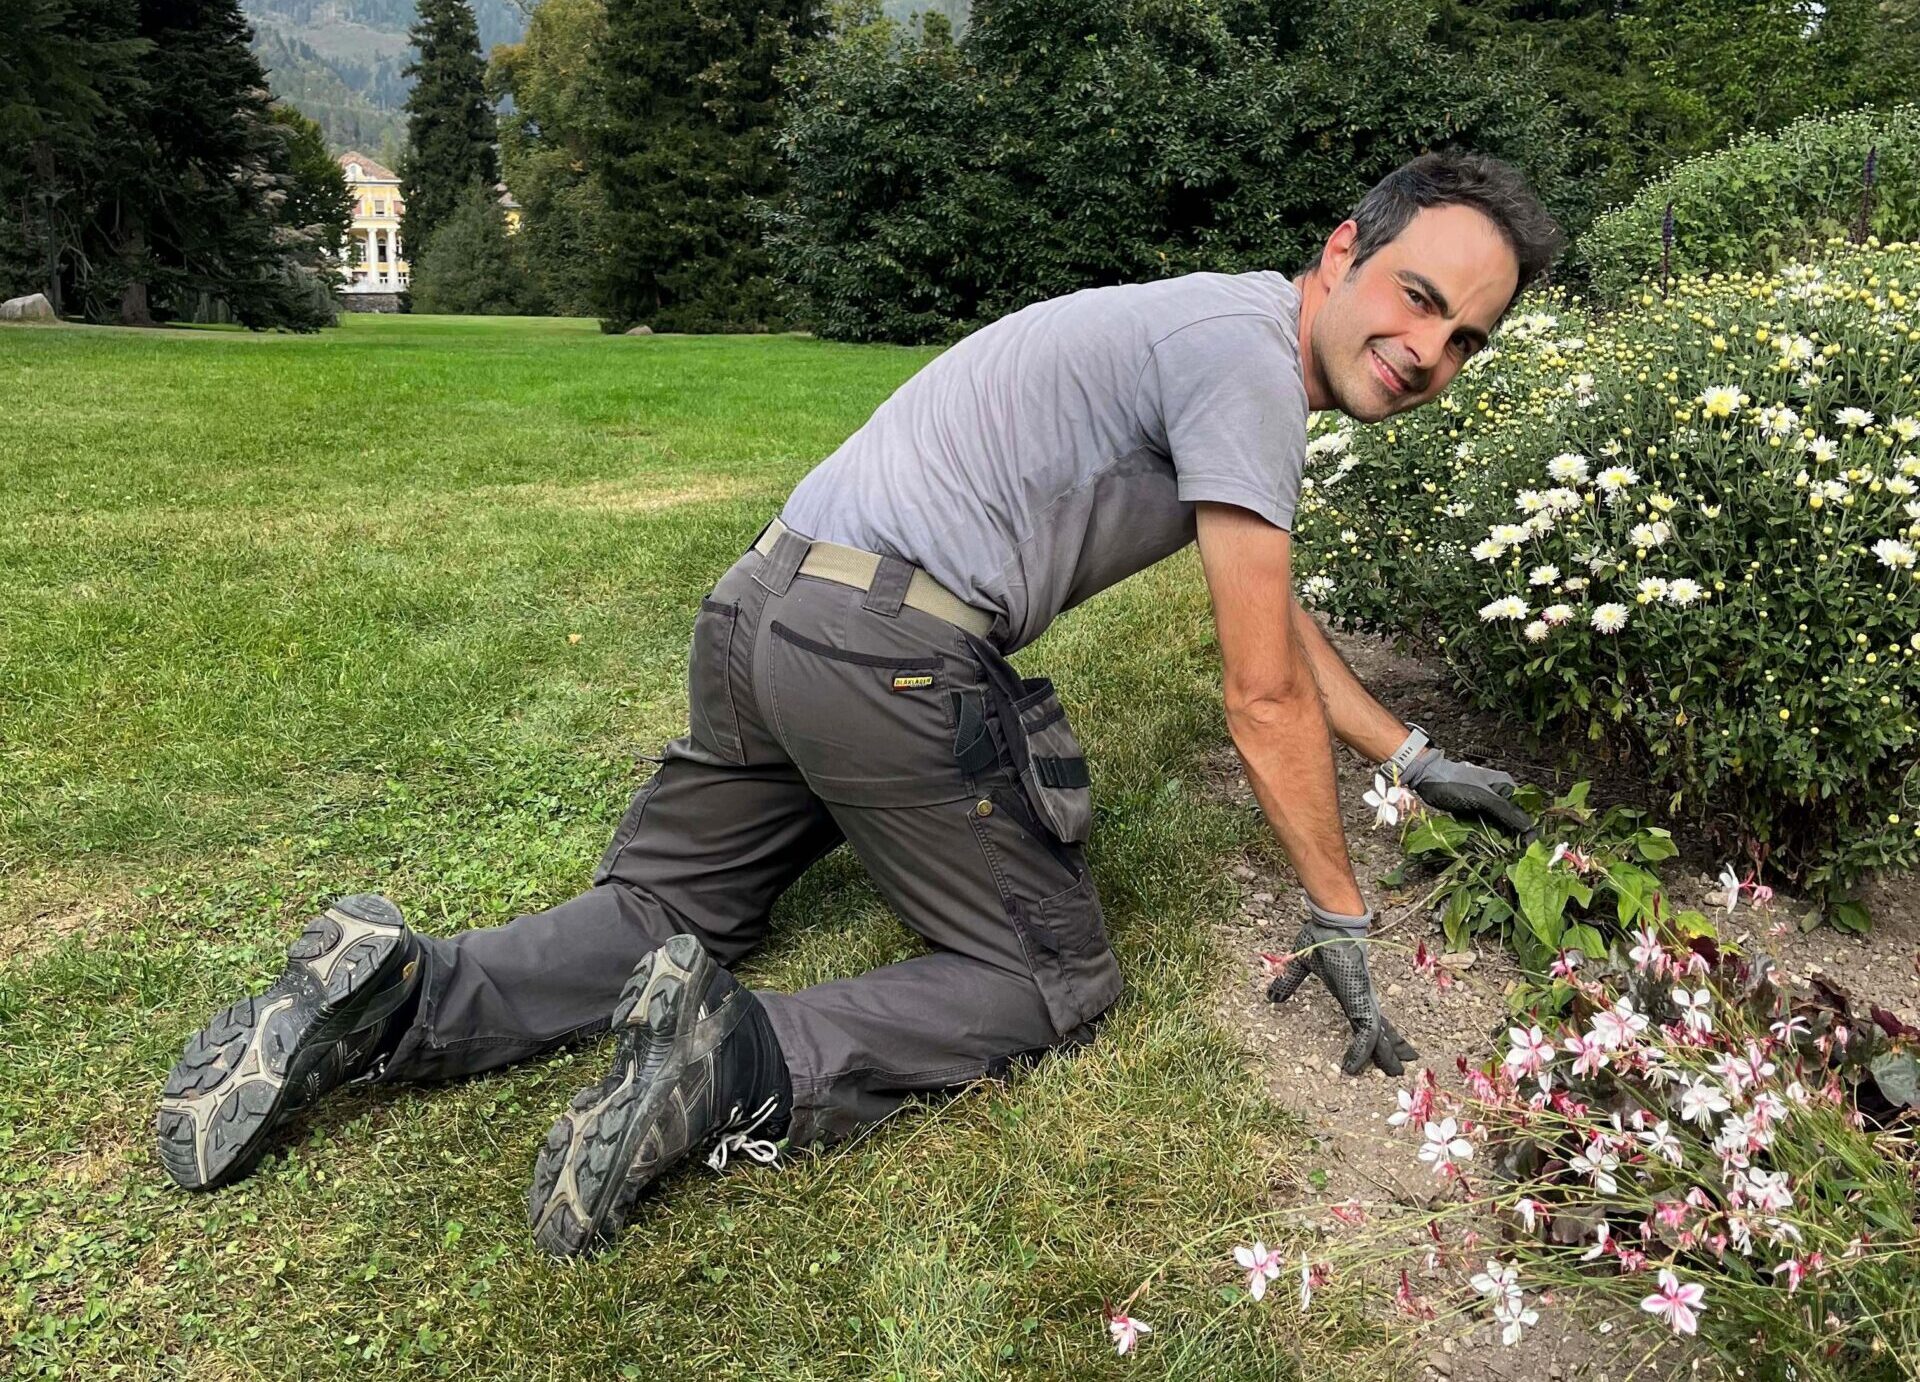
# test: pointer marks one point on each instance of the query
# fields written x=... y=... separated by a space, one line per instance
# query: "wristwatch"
x=1403 y=756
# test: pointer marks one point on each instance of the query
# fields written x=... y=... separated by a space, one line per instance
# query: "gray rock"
x=639 y=331
x=33 y=308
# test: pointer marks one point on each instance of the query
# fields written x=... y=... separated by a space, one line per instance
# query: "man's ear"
x=1336 y=258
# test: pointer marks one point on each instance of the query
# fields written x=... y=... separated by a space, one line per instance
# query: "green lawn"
x=291 y=617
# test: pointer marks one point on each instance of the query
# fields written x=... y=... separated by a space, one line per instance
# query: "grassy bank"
x=291 y=617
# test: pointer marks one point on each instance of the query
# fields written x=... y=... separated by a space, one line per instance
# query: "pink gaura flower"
x=1428 y=963
x=1795 y=1271
x=1409 y=1303
x=1416 y=1105
x=1565 y=963
x=1576 y=860
x=1261 y=1265
x=1272 y=964
x=1529 y=1210
x=1126 y=1330
x=1632 y=1260
x=1349 y=1213
x=1590 y=1055
x=1670 y=1213
x=1647 y=953
x=1678 y=1305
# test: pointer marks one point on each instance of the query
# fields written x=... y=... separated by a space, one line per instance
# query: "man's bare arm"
x=1274 y=705
x=1359 y=721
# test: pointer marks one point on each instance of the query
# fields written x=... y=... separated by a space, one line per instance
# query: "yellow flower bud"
x=1786 y=715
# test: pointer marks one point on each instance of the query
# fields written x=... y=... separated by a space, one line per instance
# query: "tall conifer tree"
x=686 y=145
x=450 y=125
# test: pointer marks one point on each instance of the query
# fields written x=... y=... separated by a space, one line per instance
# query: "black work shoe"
x=695 y=1064
x=323 y=1022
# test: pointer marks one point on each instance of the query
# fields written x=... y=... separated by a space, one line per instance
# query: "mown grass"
x=290 y=617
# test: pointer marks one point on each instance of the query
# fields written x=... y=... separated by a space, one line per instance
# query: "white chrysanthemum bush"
x=1682 y=535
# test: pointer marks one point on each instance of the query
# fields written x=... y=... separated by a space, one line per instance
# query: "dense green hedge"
x=1064 y=144
x=1763 y=201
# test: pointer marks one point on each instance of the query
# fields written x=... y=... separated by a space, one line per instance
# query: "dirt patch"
x=37 y=913
x=615 y=496
x=1295 y=1047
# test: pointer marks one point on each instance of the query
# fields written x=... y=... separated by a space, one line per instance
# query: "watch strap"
x=1402 y=757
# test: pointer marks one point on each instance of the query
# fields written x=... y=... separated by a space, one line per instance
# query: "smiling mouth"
x=1395 y=384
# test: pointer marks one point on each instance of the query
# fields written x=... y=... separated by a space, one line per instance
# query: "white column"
x=371 y=261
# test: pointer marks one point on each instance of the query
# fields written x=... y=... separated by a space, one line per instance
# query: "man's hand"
x=1461 y=789
x=1334 y=947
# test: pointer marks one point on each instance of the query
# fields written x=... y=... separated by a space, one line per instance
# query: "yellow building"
x=376 y=226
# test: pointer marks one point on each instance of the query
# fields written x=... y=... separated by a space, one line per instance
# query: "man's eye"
x=1415 y=298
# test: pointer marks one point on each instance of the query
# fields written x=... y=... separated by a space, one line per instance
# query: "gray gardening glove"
x=1334 y=947
x=1462 y=789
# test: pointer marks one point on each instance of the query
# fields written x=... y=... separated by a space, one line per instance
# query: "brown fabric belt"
x=831 y=561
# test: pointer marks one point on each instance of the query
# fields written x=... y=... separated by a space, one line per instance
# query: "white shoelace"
x=758 y=1149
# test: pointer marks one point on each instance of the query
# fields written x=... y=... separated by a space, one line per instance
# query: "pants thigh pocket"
x=1061 y=931
x=712 y=719
x=1054 y=771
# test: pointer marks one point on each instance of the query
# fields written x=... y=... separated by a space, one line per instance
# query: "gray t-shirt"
x=1063 y=448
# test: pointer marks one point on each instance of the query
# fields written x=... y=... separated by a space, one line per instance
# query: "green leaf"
x=1395 y=879
x=1695 y=924
x=1850 y=916
x=1542 y=892
x=1898 y=1075
x=1437 y=834
x=1576 y=797
x=1453 y=923
x=1584 y=938
x=1654 y=844
x=1633 y=890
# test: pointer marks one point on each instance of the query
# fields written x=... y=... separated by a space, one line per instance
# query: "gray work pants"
x=820 y=713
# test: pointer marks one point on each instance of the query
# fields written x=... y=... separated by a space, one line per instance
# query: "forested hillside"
x=340 y=61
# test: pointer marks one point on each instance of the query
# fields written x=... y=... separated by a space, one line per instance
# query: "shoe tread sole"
x=231 y=1086
x=599 y=1156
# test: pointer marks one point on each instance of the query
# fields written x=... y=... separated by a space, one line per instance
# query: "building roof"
x=505 y=198
x=371 y=170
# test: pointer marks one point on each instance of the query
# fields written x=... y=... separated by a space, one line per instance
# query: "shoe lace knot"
x=743 y=1142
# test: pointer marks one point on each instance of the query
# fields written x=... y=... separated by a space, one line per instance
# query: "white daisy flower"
x=1822 y=449
x=1556 y=615
x=1720 y=400
x=1536 y=632
x=1569 y=468
x=1853 y=417
x=1489 y=550
x=1894 y=553
x=1652 y=588
x=1610 y=618
x=1683 y=590
x=1506 y=607
x=1543 y=575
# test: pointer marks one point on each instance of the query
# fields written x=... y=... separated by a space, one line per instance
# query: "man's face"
x=1391 y=333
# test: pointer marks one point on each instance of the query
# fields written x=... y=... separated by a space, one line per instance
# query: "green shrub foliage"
x=1764 y=201
x=473 y=266
x=937 y=185
x=1683 y=537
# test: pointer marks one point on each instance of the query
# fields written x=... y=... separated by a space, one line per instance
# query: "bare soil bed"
x=1296 y=1047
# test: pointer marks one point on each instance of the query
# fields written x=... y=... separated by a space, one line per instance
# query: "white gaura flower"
x=1853 y=417
x=1489 y=550
x=1556 y=615
x=1662 y=1143
x=1543 y=575
x=1652 y=588
x=1536 y=632
x=1701 y=1100
x=1609 y=618
x=1695 y=1009
x=1569 y=468
x=1728 y=895
x=1821 y=449
x=1445 y=1146
x=1598 y=1163
x=1720 y=400
x=1513 y=1319
x=1388 y=802
x=1529 y=1052
x=1683 y=590
x=1894 y=553
x=1506 y=607
x=1126 y=1331
x=1501 y=1281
